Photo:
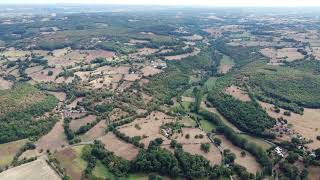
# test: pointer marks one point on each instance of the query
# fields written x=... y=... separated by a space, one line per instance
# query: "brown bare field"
x=146 y=98
x=29 y=154
x=136 y=41
x=251 y=43
x=75 y=115
x=9 y=150
x=194 y=37
x=315 y=43
x=149 y=127
x=213 y=156
x=117 y=114
x=70 y=159
x=93 y=54
x=120 y=148
x=289 y=54
x=316 y=52
x=74 y=103
x=66 y=57
x=40 y=52
x=181 y=56
x=60 y=52
x=307 y=125
x=113 y=70
x=248 y=161
x=54 y=140
x=95 y=132
x=61 y=96
x=4 y=84
x=132 y=77
x=224 y=68
x=64 y=80
x=215 y=32
x=150 y=71
x=145 y=51
x=165 y=51
x=125 y=85
x=34 y=69
x=36 y=170
x=192 y=145
x=15 y=54
x=238 y=93
x=192 y=132
x=314 y=173
x=77 y=123
x=83 y=75
x=42 y=75
x=106 y=81
x=284 y=54
x=143 y=82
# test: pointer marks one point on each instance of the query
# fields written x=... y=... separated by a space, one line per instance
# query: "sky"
x=254 y=3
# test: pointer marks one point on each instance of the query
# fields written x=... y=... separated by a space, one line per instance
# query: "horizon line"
x=167 y=5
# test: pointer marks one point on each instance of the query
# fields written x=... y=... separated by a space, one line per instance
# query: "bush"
x=50 y=73
x=205 y=147
x=217 y=141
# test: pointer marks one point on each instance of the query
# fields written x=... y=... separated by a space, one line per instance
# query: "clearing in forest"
x=75 y=124
x=97 y=131
x=238 y=93
x=120 y=148
x=182 y=56
x=226 y=64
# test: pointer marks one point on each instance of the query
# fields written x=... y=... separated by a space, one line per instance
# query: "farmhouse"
x=279 y=151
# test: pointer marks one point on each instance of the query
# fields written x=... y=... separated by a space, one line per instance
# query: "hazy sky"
x=281 y=3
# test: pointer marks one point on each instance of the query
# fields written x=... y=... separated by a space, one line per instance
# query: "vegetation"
x=18 y=109
x=288 y=85
x=205 y=147
x=247 y=116
x=260 y=155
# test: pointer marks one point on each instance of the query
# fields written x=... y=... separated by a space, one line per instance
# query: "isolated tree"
x=205 y=147
x=292 y=157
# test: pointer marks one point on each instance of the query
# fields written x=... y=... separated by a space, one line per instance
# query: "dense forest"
x=247 y=116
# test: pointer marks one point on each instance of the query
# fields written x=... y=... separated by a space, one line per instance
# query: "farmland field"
x=9 y=150
x=36 y=170
x=70 y=159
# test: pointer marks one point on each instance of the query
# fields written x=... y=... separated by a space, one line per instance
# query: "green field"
x=9 y=150
x=257 y=141
x=101 y=171
x=226 y=62
x=207 y=126
x=188 y=121
x=210 y=83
